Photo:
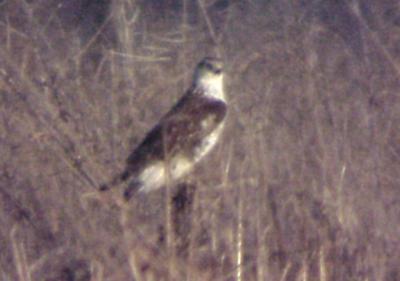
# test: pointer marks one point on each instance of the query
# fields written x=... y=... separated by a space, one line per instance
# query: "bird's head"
x=209 y=76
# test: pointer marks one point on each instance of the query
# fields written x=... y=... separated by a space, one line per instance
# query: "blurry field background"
x=303 y=186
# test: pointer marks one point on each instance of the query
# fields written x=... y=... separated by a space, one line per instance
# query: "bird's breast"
x=208 y=143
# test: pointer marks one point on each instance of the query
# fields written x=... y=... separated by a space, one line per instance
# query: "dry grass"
x=304 y=185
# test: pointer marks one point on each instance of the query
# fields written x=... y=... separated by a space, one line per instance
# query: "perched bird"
x=182 y=137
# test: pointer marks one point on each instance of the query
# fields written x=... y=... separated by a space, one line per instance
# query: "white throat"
x=212 y=87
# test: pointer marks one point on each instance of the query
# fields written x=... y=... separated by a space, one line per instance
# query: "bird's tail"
x=132 y=188
x=116 y=181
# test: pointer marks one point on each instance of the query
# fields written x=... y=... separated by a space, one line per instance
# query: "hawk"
x=182 y=137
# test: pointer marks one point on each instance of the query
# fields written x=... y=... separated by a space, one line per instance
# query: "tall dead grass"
x=303 y=185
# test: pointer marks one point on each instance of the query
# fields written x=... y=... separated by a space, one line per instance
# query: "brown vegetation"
x=304 y=185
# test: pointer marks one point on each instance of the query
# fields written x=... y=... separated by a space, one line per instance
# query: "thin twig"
x=208 y=22
x=92 y=40
x=19 y=256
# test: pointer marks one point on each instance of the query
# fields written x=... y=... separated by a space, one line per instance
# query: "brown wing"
x=181 y=129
